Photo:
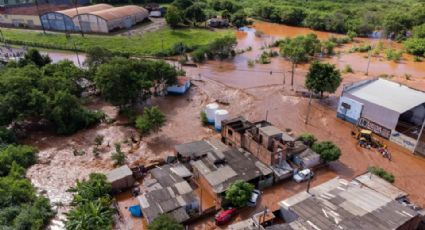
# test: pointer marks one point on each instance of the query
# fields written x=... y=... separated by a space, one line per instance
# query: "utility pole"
x=308 y=184
x=76 y=52
x=39 y=16
x=368 y=63
x=309 y=108
x=79 y=19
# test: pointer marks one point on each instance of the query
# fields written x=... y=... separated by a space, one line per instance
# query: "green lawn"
x=150 y=43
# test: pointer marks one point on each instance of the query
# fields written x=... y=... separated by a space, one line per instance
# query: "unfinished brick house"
x=266 y=142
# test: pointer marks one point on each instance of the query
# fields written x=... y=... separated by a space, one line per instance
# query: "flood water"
x=237 y=73
x=255 y=92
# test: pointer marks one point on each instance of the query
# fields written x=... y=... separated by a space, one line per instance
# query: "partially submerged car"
x=252 y=202
x=303 y=175
x=225 y=216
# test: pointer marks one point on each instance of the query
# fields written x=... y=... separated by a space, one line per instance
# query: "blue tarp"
x=135 y=210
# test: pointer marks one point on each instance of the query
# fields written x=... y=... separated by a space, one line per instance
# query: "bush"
x=251 y=63
x=22 y=155
x=7 y=136
x=415 y=46
x=198 y=55
x=347 y=69
x=307 y=138
x=381 y=173
x=327 y=150
x=361 y=49
x=204 y=119
x=393 y=55
x=165 y=222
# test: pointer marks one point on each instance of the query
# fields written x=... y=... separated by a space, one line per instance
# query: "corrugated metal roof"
x=85 y=9
x=120 y=12
x=119 y=173
x=391 y=95
x=380 y=185
x=342 y=205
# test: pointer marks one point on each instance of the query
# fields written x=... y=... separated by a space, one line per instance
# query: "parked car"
x=224 y=217
x=252 y=202
x=303 y=175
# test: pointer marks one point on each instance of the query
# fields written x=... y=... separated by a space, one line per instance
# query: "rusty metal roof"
x=85 y=9
x=120 y=12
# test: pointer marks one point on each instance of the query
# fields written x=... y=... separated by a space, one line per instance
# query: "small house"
x=183 y=84
x=121 y=178
x=306 y=159
x=218 y=22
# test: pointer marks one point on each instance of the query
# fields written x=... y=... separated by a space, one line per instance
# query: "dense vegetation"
x=92 y=205
x=34 y=89
x=162 y=42
x=190 y=12
x=394 y=17
x=20 y=206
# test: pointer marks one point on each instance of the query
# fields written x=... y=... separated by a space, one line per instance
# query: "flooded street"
x=249 y=91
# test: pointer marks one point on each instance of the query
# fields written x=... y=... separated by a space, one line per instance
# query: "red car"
x=224 y=217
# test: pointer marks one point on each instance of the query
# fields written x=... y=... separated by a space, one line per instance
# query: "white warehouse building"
x=389 y=109
x=104 y=21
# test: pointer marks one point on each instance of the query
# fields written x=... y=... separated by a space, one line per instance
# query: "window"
x=230 y=132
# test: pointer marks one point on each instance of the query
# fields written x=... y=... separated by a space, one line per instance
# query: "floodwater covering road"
x=248 y=91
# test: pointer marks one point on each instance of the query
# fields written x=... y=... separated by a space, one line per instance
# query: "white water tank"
x=210 y=112
x=220 y=115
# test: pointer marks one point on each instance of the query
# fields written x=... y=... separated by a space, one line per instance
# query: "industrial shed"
x=110 y=19
x=389 y=109
x=63 y=20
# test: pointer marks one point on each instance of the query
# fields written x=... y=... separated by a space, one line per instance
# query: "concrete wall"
x=231 y=137
x=259 y=151
x=376 y=113
x=29 y=21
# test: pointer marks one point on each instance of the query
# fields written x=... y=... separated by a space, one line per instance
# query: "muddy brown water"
x=249 y=91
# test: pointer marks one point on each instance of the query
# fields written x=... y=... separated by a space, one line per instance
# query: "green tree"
x=240 y=19
x=239 y=193
x=165 y=222
x=308 y=139
x=173 y=16
x=151 y=121
x=327 y=150
x=118 y=157
x=195 y=14
x=98 y=140
x=96 y=56
x=6 y=136
x=33 y=56
x=396 y=23
x=92 y=204
x=298 y=50
x=22 y=155
x=419 y=31
x=119 y=81
x=182 y=4
x=91 y=216
x=322 y=77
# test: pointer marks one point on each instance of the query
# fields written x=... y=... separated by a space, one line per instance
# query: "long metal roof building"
x=339 y=204
x=99 y=18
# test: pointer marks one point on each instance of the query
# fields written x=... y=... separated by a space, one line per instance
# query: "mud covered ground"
x=251 y=92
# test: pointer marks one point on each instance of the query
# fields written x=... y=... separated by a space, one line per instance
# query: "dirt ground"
x=252 y=92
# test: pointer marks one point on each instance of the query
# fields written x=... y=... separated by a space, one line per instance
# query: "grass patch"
x=152 y=43
x=382 y=173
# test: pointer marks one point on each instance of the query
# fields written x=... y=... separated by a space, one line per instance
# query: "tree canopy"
x=92 y=205
x=327 y=150
x=239 y=193
x=124 y=82
x=165 y=222
x=323 y=77
x=151 y=121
